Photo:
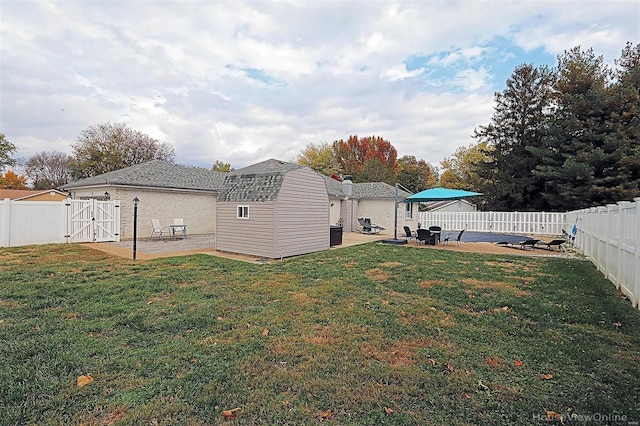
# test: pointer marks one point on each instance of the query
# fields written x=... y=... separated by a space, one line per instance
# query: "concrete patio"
x=205 y=244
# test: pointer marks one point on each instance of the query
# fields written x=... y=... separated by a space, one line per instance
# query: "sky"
x=245 y=81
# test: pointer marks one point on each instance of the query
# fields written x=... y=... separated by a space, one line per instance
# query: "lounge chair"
x=549 y=245
x=423 y=235
x=368 y=227
x=458 y=239
x=159 y=229
x=528 y=243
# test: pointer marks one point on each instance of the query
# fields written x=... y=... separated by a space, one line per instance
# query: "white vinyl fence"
x=538 y=223
x=610 y=237
x=44 y=222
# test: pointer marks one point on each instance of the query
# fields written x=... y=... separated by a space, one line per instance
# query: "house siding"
x=197 y=209
x=381 y=212
x=302 y=214
x=254 y=236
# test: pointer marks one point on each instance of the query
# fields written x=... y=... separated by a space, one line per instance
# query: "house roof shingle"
x=260 y=181
x=159 y=174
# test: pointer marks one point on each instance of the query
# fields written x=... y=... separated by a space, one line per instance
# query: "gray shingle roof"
x=365 y=190
x=257 y=182
x=334 y=187
x=159 y=174
x=267 y=166
x=251 y=187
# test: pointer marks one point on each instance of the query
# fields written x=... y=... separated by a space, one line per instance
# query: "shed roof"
x=158 y=174
x=257 y=182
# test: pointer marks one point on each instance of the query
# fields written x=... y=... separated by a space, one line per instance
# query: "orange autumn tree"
x=11 y=180
x=367 y=159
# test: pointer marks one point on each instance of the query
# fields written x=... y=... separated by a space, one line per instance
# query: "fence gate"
x=93 y=221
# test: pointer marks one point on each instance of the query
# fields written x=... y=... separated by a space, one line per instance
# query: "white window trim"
x=408 y=211
x=240 y=209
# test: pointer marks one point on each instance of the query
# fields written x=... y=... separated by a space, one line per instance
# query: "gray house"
x=271 y=209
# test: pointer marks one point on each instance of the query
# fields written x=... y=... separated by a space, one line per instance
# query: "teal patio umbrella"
x=440 y=194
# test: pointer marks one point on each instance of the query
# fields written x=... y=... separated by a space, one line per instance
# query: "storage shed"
x=273 y=209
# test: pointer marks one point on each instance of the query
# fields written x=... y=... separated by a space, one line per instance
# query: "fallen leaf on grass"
x=546 y=376
x=492 y=361
x=552 y=416
x=388 y=410
x=84 y=380
x=230 y=414
x=483 y=386
x=518 y=363
x=431 y=361
x=265 y=332
x=326 y=415
x=448 y=367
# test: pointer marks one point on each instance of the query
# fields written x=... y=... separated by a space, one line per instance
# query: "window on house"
x=408 y=211
x=243 y=212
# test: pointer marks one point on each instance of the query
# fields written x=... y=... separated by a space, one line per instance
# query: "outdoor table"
x=173 y=231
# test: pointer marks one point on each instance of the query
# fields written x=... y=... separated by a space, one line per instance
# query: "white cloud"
x=246 y=81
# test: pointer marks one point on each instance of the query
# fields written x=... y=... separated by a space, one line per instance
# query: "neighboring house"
x=166 y=191
x=451 y=206
x=273 y=209
x=270 y=209
x=33 y=194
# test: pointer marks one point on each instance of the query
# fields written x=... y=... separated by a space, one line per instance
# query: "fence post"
x=5 y=237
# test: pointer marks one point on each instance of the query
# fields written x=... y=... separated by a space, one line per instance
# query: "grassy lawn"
x=369 y=335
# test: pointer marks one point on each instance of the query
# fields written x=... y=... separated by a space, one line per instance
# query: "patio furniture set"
x=432 y=235
x=177 y=228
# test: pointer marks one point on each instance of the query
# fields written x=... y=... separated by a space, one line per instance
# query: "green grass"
x=434 y=337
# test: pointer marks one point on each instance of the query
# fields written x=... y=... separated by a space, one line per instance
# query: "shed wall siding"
x=254 y=236
x=302 y=214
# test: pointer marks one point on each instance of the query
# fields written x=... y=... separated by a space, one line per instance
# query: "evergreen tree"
x=582 y=154
x=515 y=135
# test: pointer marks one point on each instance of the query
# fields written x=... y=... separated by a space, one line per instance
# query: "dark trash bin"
x=335 y=236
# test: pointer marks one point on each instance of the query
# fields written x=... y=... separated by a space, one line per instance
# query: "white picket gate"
x=93 y=221
x=45 y=222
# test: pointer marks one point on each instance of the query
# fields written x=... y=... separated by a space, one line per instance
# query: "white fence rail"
x=610 y=237
x=45 y=222
x=538 y=223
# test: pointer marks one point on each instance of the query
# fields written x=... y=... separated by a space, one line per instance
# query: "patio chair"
x=409 y=234
x=368 y=227
x=158 y=229
x=448 y=238
x=528 y=243
x=549 y=245
x=423 y=235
